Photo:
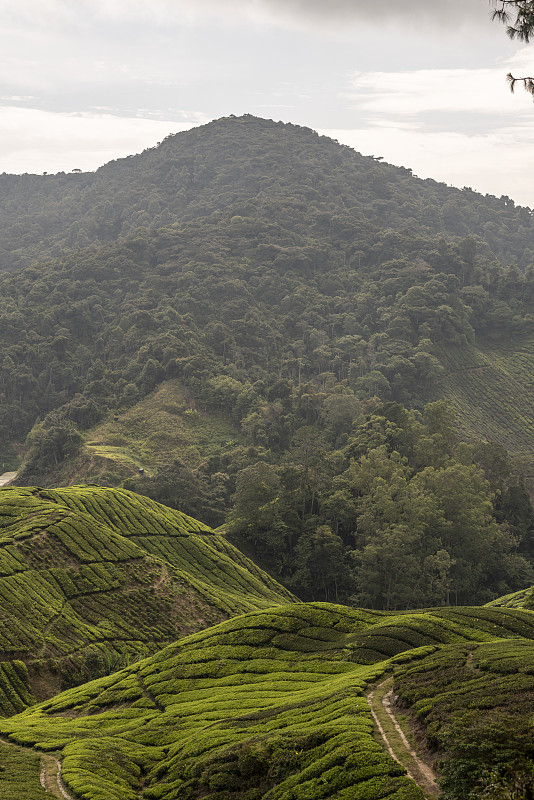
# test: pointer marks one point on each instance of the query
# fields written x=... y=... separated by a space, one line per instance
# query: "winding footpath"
x=50 y=771
x=50 y=778
x=397 y=744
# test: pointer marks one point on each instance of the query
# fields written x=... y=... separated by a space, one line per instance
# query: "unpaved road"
x=401 y=750
x=7 y=477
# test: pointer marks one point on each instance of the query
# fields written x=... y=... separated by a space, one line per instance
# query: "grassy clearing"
x=155 y=429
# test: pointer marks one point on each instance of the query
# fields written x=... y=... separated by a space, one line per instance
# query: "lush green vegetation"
x=225 y=166
x=280 y=285
x=242 y=253
x=91 y=578
x=404 y=515
x=237 y=300
x=268 y=324
x=20 y=771
x=269 y=704
x=476 y=703
x=522 y=599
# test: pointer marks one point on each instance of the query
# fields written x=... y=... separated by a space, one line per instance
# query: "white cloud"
x=452 y=90
x=37 y=141
x=498 y=163
x=460 y=126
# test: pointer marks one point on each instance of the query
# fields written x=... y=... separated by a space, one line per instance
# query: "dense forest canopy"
x=314 y=298
x=274 y=167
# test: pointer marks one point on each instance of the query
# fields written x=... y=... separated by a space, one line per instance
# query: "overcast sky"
x=420 y=82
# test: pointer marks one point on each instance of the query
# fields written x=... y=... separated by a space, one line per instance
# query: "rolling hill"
x=256 y=252
x=279 y=297
x=475 y=704
x=91 y=578
x=267 y=705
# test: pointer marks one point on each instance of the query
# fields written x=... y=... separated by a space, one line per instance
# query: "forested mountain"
x=272 y=321
x=332 y=360
x=278 y=168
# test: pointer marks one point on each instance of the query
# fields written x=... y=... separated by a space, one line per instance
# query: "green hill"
x=148 y=436
x=258 y=294
x=521 y=599
x=270 y=704
x=92 y=578
x=255 y=252
x=236 y=164
x=476 y=703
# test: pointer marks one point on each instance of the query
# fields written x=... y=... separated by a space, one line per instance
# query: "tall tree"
x=522 y=28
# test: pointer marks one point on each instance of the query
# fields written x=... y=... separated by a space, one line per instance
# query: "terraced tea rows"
x=20 y=774
x=477 y=704
x=267 y=705
x=91 y=578
x=490 y=388
x=522 y=599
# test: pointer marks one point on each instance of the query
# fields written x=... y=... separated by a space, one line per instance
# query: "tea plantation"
x=270 y=704
x=92 y=578
x=522 y=599
x=476 y=703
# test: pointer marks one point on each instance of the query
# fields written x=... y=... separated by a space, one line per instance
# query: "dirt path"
x=50 y=772
x=50 y=778
x=7 y=477
x=396 y=742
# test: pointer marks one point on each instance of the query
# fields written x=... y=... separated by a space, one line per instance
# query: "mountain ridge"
x=171 y=182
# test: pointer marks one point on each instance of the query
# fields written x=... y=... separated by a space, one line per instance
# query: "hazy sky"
x=420 y=82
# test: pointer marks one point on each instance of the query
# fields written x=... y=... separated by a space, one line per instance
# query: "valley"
x=266 y=520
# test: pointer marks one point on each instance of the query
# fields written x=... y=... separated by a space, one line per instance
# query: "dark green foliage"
x=50 y=443
x=401 y=517
x=180 y=487
x=284 y=262
x=284 y=282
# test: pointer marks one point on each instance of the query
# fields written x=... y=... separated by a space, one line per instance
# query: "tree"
x=521 y=28
x=321 y=569
x=260 y=522
x=50 y=442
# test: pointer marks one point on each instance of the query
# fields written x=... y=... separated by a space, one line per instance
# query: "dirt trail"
x=396 y=742
x=50 y=778
x=7 y=477
x=50 y=772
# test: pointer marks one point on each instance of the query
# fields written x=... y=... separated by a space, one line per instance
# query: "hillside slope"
x=91 y=578
x=267 y=705
x=521 y=599
x=253 y=252
x=475 y=704
x=490 y=388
